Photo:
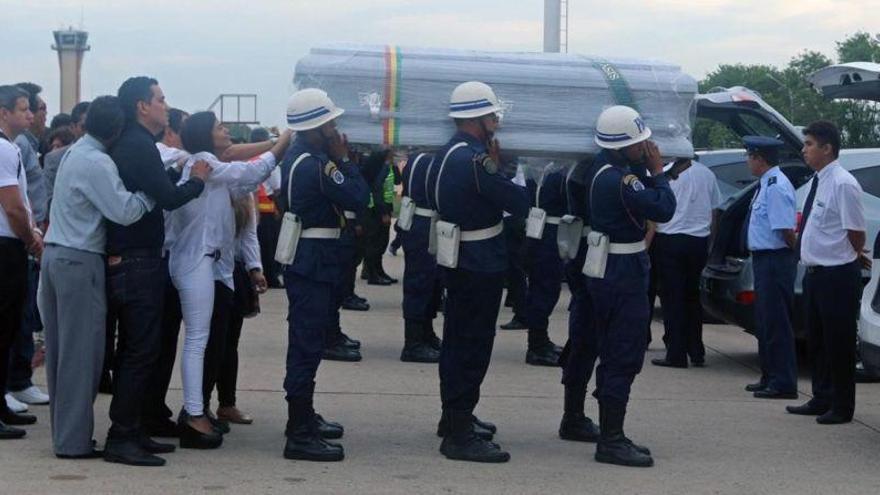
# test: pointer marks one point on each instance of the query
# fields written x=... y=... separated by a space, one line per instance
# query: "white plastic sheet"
x=399 y=96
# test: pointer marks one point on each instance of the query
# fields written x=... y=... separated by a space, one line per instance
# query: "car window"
x=734 y=174
x=869 y=179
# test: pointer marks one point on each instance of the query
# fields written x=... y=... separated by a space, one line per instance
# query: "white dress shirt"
x=207 y=224
x=696 y=195
x=170 y=157
x=836 y=209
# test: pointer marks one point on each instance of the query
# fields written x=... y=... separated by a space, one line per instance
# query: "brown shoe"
x=233 y=415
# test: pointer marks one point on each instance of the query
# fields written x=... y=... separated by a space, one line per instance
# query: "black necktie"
x=808 y=207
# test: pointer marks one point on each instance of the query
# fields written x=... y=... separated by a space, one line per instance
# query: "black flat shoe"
x=191 y=438
x=807 y=409
x=10 y=433
x=833 y=418
x=665 y=363
x=352 y=304
x=473 y=449
x=772 y=393
x=311 y=447
x=131 y=453
x=17 y=419
x=154 y=447
x=349 y=342
x=754 y=387
x=378 y=281
x=578 y=428
x=546 y=355
x=220 y=426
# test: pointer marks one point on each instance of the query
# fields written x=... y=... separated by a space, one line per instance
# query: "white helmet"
x=620 y=126
x=309 y=109
x=473 y=99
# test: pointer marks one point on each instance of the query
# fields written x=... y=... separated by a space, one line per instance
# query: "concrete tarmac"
x=707 y=435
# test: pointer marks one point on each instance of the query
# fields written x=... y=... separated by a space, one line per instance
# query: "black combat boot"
x=429 y=337
x=575 y=425
x=613 y=446
x=482 y=429
x=415 y=350
x=303 y=440
x=330 y=430
x=462 y=444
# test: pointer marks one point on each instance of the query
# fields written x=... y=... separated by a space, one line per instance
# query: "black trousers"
x=680 y=259
x=227 y=381
x=515 y=236
x=267 y=234
x=472 y=303
x=377 y=236
x=155 y=408
x=13 y=292
x=832 y=297
x=215 y=352
x=136 y=295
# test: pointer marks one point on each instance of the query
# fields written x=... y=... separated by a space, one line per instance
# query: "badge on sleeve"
x=771 y=181
x=634 y=182
x=488 y=164
x=333 y=172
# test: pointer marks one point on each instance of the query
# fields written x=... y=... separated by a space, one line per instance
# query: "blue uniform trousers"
x=774 y=272
x=342 y=288
x=312 y=286
x=620 y=315
x=421 y=282
x=545 y=282
x=579 y=355
x=472 y=303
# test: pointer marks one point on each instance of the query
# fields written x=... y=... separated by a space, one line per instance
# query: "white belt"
x=587 y=230
x=626 y=248
x=482 y=234
x=553 y=220
x=320 y=233
x=349 y=215
x=425 y=212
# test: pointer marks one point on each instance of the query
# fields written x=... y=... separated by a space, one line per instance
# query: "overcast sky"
x=198 y=49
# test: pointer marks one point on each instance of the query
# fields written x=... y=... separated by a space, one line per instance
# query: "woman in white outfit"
x=201 y=258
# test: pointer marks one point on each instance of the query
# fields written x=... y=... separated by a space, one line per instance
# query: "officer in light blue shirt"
x=771 y=239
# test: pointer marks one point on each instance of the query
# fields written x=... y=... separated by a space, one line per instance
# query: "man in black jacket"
x=136 y=272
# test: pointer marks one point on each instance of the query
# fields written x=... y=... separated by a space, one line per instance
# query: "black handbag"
x=246 y=299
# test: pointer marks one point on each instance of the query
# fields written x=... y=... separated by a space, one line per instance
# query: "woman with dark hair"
x=201 y=264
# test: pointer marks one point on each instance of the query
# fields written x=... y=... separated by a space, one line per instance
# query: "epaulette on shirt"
x=633 y=182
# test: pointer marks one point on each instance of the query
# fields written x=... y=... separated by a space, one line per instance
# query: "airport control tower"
x=71 y=45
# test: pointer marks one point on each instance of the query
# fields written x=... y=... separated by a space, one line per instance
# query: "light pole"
x=790 y=96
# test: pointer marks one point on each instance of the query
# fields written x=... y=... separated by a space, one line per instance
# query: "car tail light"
x=746 y=297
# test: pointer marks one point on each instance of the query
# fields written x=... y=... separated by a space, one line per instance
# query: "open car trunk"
x=745 y=113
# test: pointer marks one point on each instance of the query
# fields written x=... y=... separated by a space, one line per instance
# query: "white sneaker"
x=14 y=405
x=31 y=395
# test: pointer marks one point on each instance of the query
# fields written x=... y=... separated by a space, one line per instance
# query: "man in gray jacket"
x=72 y=296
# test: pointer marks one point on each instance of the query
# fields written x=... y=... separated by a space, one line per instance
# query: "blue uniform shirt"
x=624 y=197
x=321 y=191
x=417 y=178
x=475 y=198
x=772 y=211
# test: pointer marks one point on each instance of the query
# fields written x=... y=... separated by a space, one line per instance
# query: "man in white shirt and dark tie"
x=832 y=244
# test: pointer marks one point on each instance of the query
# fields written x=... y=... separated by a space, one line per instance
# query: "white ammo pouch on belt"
x=407 y=205
x=537 y=215
x=291 y=225
x=597 y=242
x=450 y=236
x=446 y=236
x=568 y=236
